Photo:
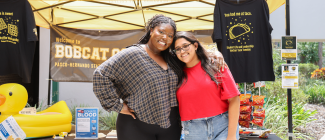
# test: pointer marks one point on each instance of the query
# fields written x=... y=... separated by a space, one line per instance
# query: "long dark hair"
x=172 y=61
x=210 y=69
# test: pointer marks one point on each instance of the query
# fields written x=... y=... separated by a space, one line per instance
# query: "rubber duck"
x=49 y=122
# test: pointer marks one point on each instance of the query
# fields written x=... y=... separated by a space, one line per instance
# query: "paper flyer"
x=87 y=123
x=290 y=75
x=9 y=128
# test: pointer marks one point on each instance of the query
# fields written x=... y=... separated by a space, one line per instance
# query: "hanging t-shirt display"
x=17 y=38
x=245 y=34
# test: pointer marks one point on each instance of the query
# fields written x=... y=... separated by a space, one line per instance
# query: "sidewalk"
x=323 y=138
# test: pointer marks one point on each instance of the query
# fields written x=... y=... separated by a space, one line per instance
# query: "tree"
x=308 y=52
x=320 y=54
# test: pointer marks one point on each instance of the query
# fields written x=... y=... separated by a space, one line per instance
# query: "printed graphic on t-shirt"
x=3 y=25
x=239 y=32
x=8 y=28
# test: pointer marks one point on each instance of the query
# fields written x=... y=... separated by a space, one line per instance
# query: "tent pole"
x=49 y=90
x=289 y=100
x=144 y=19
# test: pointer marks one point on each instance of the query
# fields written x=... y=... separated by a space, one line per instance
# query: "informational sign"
x=290 y=75
x=289 y=47
x=9 y=129
x=259 y=84
x=86 y=123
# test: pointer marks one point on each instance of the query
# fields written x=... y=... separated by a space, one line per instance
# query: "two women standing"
x=145 y=76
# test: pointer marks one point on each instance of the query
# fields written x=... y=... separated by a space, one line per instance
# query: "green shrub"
x=308 y=52
x=307 y=69
x=277 y=117
x=108 y=121
x=275 y=90
x=277 y=62
x=276 y=108
x=316 y=92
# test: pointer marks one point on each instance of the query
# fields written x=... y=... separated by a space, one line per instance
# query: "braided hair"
x=171 y=60
x=154 y=22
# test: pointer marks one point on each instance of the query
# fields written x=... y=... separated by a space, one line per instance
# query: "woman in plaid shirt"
x=145 y=77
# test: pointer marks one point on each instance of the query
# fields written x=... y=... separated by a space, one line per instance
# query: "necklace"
x=151 y=50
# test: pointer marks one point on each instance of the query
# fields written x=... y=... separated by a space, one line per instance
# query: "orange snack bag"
x=259 y=113
x=245 y=109
x=244 y=124
x=258 y=121
x=258 y=100
x=244 y=117
x=244 y=99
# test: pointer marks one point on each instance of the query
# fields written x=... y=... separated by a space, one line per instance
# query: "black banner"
x=76 y=53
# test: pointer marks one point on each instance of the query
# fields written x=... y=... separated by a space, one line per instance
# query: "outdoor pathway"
x=316 y=128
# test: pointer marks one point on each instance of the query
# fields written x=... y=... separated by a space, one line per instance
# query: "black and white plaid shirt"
x=136 y=78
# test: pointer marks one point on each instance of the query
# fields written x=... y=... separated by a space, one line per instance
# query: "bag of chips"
x=244 y=117
x=265 y=134
x=245 y=109
x=258 y=100
x=244 y=99
x=258 y=121
x=259 y=113
x=244 y=124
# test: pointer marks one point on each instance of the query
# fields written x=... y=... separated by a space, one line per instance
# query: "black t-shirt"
x=244 y=31
x=17 y=38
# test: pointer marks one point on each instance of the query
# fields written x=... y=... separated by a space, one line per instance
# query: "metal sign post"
x=289 y=100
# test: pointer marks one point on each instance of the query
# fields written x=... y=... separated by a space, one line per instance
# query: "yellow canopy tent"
x=126 y=14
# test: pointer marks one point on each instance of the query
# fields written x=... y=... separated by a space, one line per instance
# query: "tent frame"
x=137 y=6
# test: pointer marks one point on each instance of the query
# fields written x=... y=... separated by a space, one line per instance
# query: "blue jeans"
x=210 y=128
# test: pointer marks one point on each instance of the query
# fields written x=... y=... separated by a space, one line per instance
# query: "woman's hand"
x=220 y=62
x=127 y=111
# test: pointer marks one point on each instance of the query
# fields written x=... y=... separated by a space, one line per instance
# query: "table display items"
x=86 y=122
x=252 y=114
x=49 y=122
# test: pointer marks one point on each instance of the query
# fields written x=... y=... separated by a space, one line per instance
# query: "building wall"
x=44 y=64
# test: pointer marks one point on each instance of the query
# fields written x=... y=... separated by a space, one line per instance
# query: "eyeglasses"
x=184 y=48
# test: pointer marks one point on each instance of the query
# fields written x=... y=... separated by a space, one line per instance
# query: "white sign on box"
x=9 y=128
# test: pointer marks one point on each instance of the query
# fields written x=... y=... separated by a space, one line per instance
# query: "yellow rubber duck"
x=53 y=120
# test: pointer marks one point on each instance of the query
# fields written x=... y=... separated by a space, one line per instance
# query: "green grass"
x=316 y=93
x=108 y=121
x=277 y=118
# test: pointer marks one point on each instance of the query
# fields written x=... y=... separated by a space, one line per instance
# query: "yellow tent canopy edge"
x=43 y=17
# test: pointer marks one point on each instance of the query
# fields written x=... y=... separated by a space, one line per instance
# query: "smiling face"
x=189 y=57
x=161 y=37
